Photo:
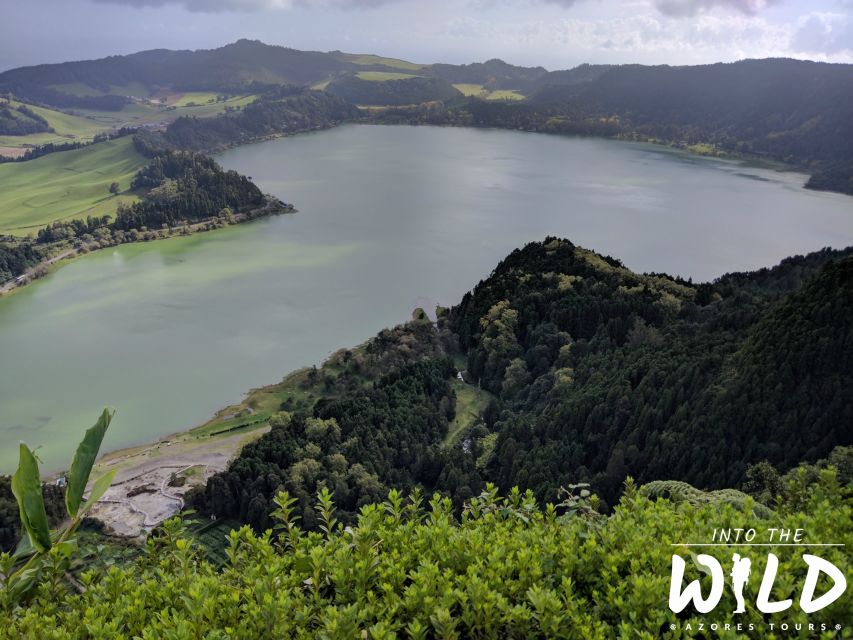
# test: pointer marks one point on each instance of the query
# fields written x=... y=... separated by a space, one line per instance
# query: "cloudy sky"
x=554 y=33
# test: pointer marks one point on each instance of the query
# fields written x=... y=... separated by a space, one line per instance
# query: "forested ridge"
x=405 y=91
x=595 y=373
x=285 y=110
x=605 y=373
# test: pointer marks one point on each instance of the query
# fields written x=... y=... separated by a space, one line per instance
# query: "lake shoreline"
x=48 y=266
x=260 y=322
x=273 y=206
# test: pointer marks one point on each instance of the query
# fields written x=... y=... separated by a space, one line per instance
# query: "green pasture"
x=383 y=76
x=470 y=404
x=467 y=89
x=66 y=128
x=505 y=94
x=393 y=63
x=82 y=124
x=69 y=184
x=480 y=91
x=195 y=98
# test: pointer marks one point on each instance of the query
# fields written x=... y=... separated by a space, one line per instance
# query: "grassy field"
x=394 y=63
x=471 y=89
x=505 y=94
x=67 y=128
x=471 y=401
x=211 y=109
x=83 y=124
x=70 y=184
x=480 y=91
x=195 y=98
x=382 y=76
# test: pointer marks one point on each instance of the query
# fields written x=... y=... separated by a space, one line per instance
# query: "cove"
x=389 y=218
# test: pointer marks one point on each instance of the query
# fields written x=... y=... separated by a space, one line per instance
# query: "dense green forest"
x=594 y=373
x=493 y=74
x=604 y=373
x=283 y=110
x=185 y=186
x=16 y=257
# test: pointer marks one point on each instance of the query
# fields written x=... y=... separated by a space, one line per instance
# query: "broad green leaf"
x=25 y=547
x=101 y=485
x=84 y=458
x=26 y=485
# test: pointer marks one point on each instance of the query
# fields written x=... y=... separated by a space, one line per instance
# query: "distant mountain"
x=559 y=80
x=493 y=74
x=242 y=62
x=85 y=83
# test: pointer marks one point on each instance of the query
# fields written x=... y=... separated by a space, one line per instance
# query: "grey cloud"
x=217 y=6
x=677 y=8
x=683 y=8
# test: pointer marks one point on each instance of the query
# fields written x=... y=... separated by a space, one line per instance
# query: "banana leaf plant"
x=39 y=546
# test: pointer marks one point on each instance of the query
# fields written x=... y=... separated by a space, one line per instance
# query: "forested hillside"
x=604 y=373
x=241 y=62
x=392 y=92
x=593 y=372
x=287 y=109
x=789 y=111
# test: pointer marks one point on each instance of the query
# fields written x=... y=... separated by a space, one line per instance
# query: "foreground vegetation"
x=411 y=569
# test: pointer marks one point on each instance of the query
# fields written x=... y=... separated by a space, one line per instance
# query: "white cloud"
x=637 y=37
x=829 y=33
x=682 y=8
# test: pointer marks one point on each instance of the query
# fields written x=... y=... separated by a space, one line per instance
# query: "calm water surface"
x=389 y=217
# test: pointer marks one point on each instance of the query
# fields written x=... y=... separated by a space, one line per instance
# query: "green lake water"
x=389 y=218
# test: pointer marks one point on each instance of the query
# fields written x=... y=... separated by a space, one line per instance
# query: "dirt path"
x=147 y=471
